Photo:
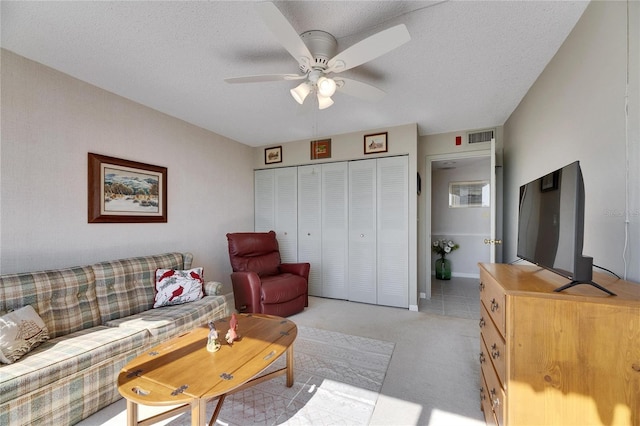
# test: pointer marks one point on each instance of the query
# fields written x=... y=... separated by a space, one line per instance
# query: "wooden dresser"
x=547 y=358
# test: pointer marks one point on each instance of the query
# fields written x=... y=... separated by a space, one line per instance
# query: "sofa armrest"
x=212 y=288
x=301 y=269
x=246 y=291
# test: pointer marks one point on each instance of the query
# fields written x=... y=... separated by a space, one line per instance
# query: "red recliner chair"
x=261 y=284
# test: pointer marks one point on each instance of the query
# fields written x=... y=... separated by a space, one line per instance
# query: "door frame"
x=428 y=202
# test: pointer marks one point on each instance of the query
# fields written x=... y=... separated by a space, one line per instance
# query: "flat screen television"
x=551 y=225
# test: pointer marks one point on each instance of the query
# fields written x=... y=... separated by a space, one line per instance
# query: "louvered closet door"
x=309 y=224
x=362 y=231
x=393 y=231
x=286 y=212
x=264 y=200
x=335 y=227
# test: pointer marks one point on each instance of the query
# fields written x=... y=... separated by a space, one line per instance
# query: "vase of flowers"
x=442 y=247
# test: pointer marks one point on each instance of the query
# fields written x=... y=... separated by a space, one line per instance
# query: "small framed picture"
x=273 y=155
x=549 y=182
x=321 y=149
x=375 y=143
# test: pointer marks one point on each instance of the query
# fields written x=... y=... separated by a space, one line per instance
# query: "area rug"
x=337 y=381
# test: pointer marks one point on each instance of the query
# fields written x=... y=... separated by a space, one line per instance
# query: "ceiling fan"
x=315 y=52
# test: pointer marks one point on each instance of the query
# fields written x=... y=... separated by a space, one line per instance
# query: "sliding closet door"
x=349 y=220
x=335 y=236
x=362 y=231
x=264 y=200
x=322 y=227
x=310 y=225
x=275 y=207
x=393 y=231
x=286 y=212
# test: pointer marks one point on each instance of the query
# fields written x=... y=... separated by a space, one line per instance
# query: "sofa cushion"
x=20 y=331
x=64 y=356
x=65 y=299
x=127 y=287
x=70 y=399
x=175 y=287
x=168 y=321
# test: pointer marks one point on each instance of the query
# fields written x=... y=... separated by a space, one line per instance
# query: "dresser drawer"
x=496 y=348
x=485 y=403
x=493 y=298
x=495 y=393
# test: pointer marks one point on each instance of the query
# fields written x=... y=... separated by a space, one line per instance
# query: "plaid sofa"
x=99 y=317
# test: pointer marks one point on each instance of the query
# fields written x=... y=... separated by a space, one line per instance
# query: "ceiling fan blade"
x=265 y=77
x=284 y=32
x=369 y=49
x=359 y=89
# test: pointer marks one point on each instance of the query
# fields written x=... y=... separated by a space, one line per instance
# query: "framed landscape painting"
x=123 y=191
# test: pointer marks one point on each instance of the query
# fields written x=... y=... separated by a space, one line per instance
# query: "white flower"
x=435 y=244
x=447 y=249
x=450 y=244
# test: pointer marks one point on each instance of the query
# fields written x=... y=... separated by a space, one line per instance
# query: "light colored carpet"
x=337 y=381
x=433 y=377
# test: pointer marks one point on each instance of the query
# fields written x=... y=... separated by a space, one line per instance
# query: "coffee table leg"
x=198 y=412
x=216 y=412
x=290 y=366
x=132 y=413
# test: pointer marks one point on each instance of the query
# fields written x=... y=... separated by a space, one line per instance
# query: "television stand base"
x=574 y=283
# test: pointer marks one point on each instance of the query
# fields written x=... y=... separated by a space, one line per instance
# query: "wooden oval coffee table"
x=182 y=371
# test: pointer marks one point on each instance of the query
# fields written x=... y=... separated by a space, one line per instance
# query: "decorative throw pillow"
x=174 y=287
x=20 y=331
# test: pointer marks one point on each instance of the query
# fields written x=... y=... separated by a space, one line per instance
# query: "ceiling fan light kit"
x=324 y=102
x=315 y=52
x=301 y=91
x=326 y=86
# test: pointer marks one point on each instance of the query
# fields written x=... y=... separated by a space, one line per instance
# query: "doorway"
x=442 y=221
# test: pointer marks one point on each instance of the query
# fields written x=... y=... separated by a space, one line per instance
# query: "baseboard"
x=460 y=275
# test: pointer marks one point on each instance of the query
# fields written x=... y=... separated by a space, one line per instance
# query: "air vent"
x=481 y=136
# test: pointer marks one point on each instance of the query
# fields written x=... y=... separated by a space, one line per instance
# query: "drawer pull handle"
x=495 y=353
x=495 y=402
x=482 y=395
x=482 y=358
x=482 y=323
x=481 y=286
x=494 y=305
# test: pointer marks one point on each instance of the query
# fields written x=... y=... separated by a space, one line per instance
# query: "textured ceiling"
x=467 y=66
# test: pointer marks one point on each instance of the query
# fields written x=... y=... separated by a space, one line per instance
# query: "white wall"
x=468 y=227
x=576 y=111
x=349 y=146
x=50 y=121
x=401 y=140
